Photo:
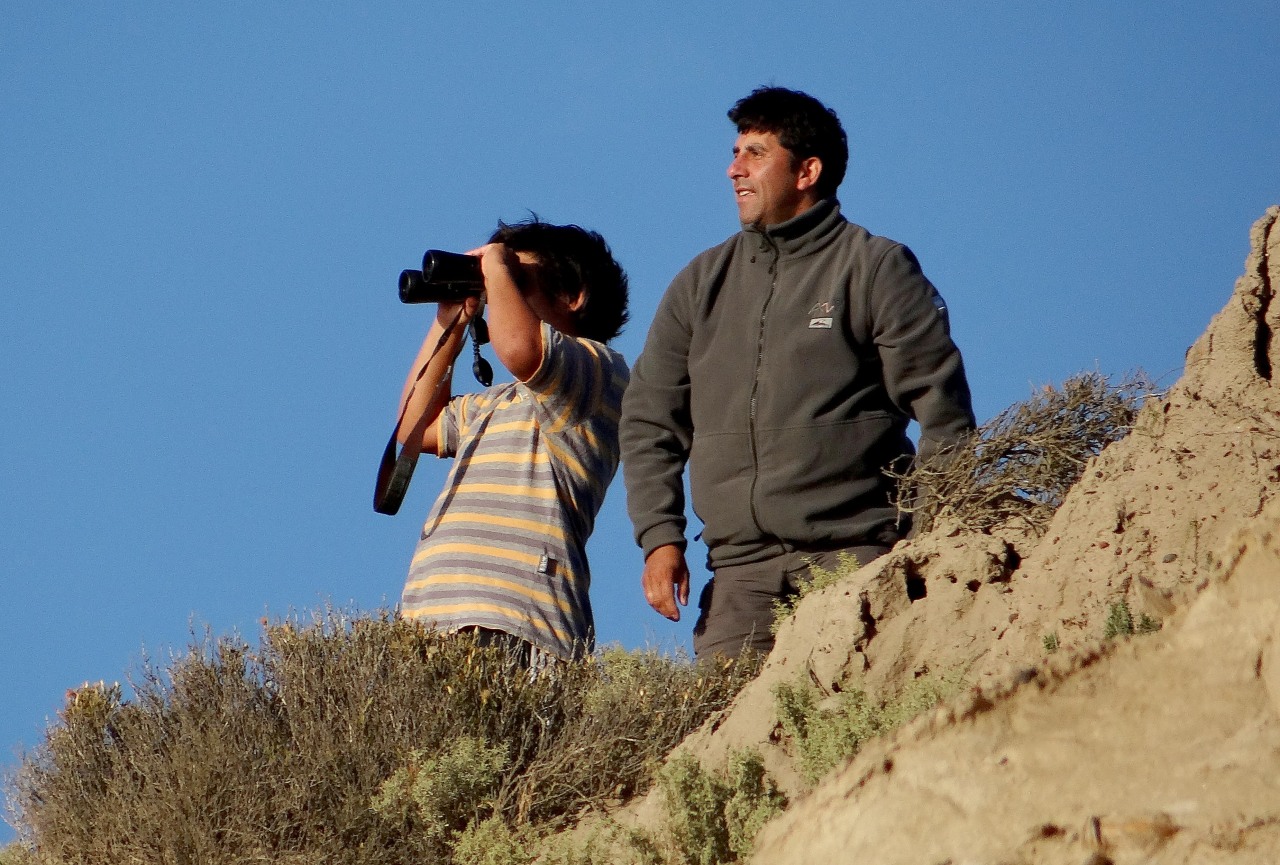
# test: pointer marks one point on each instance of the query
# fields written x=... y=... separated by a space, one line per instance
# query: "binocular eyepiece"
x=445 y=277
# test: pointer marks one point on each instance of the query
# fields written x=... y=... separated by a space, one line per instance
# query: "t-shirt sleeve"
x=575 y=376
x=452 y=420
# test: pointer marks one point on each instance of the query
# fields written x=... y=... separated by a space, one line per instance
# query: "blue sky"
x=205 y=209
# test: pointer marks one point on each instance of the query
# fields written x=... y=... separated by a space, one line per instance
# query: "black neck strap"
x=395 y=471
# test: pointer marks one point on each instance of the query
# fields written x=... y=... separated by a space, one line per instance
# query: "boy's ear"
x=575 y=303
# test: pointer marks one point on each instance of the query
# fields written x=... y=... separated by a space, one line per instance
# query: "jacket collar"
x=804 y=233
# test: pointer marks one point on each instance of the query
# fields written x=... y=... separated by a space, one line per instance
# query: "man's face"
x=769 y=190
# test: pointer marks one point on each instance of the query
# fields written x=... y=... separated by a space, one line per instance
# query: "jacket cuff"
x=661 y=535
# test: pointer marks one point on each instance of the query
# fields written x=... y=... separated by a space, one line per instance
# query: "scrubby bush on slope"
x=332 y=742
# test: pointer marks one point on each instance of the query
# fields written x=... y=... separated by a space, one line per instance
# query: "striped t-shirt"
x=504 y=546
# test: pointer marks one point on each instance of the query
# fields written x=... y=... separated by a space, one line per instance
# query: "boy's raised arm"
x=427 y=392
x=515 y=330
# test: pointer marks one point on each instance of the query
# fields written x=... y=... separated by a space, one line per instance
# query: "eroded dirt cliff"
x=1158 y=748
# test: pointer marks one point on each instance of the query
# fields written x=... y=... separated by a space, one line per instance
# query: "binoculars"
x=445 y=277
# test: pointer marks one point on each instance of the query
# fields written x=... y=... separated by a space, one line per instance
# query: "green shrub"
x=1050 y=642
x=826 y=736
x=330 y=741
x=714 y=819
x=15 y=854
x=753 y=801
x=491 y=841
x=445 y=793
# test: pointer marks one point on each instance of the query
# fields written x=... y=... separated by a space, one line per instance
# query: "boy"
x=503 y=551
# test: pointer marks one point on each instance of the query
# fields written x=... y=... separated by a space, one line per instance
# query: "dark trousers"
x=737 y=605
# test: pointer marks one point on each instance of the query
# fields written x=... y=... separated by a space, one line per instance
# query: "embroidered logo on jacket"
x=820 y=315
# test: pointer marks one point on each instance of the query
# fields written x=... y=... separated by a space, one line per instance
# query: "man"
x=503 y=551
x=783 y=366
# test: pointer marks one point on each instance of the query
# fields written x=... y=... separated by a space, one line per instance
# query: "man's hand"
x=666 y=580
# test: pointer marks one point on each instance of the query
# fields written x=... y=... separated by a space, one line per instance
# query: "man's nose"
x=735 y=169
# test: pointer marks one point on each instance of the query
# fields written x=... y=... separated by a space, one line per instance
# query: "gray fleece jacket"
x=783 y=366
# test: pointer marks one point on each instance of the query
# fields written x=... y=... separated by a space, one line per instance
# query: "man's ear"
x=808 y=172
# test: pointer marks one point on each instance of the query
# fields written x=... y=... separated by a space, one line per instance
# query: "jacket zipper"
x=755 y=381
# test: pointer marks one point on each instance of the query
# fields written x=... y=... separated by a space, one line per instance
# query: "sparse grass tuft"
x=825 y=733
x=1050 y=642
x=1120 y=622
x=819 y=578
x=1147 y=625
x=351 y=739
x=1018 y=467
x=609 y=844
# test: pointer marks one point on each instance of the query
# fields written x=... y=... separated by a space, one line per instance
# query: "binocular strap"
x=395 y=471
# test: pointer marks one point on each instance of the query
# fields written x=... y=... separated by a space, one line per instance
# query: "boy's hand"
x=447 y=311
x=498 y=264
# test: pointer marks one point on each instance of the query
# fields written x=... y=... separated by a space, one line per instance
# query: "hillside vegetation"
x=350 y=739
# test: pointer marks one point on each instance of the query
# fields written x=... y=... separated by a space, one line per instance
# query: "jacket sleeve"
x=657 y=430
x=923 y=371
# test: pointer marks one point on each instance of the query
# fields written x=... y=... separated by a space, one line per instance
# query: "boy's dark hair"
x=571 y=258
x=804 y=125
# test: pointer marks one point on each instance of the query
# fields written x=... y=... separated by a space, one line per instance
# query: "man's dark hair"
x=804 y=125
x=570 y=259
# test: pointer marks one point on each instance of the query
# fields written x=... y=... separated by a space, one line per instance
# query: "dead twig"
x=1018 y=467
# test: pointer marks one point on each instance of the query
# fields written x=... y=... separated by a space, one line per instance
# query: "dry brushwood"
x=1017 y=468
x=280 y=753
